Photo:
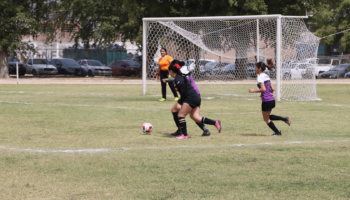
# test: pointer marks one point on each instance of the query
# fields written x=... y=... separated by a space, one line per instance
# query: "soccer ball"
x=147 y=127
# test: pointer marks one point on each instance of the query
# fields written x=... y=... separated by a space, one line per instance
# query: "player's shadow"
x=167 y=135
x=253 y=134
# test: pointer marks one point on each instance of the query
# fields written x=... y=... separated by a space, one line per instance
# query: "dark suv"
x=12 y=66
x=68 y=66
x=124 y=67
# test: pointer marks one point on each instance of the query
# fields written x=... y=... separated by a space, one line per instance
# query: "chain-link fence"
x=79 y=62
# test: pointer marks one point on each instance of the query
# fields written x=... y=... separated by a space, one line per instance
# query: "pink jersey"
x=267 y=95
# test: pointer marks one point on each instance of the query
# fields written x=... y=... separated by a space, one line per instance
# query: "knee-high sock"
x=273 y=127
x=202 y=126
x=208 y=121
x=275 y=117
x=183 y=127
x=176 y=119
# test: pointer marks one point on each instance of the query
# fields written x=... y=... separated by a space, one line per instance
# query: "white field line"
x=58 y=93
x=78 y=105
x=164 y=148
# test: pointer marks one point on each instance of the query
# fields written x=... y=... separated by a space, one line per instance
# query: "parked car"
x=251 y=70
x=338 y=71
x=38 y=66
x=347 y=75
x=68 y=66
x=191 y=63
x=95 y=68
x=209 y=67
x=12 y=66
x=320 y=66
x=124 y=67
x=295 y=70
x=225 y=70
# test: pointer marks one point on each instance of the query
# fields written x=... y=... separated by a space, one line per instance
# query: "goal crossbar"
x=220 y=18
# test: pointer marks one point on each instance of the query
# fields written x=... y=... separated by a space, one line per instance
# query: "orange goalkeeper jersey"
x=164 y=62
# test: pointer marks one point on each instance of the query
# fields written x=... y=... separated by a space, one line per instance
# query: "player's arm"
x=272 y=88
x=168 y=80
x=261 y=90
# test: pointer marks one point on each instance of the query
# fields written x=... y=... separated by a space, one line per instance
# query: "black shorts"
x=267 y=106
x=191 y=101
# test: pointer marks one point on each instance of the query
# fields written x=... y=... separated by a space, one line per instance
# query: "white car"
x=295 y=70
x=39 y=66
x=320 y=66
x=191 y=65
x=95 y=68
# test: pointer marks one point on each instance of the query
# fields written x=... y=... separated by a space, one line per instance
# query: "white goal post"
x=221 y=52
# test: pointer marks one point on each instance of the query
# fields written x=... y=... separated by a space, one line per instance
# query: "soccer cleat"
x=287 y=121
x=162 y=99
x=176 y=98
x=177 y=133
x=182 y=137
x=218 y=125
x=277 y=134
x=206 y=133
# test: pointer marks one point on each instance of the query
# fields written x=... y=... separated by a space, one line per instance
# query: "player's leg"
x=195 y=116
x=216 y=123
x=285 y=119
x=266 y=116
x=172 y=88
x=175 y=111
x=185 y=109
x=162 y=76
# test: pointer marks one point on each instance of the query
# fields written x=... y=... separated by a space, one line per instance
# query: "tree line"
x=104 y=21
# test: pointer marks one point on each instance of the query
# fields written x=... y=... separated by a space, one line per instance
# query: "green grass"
x=39 y=122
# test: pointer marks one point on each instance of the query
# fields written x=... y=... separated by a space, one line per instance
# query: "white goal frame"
x=278 y=41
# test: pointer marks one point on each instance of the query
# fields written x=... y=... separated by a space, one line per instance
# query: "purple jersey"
x=193 y=84
x=267 y=95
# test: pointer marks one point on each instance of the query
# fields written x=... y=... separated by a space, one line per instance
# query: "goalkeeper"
x=188 y=103
x=163 y=72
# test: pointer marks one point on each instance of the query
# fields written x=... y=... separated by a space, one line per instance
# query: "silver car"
x=38 y=66
x=95 y=68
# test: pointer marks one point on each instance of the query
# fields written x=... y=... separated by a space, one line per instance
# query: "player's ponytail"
x=270 y=64
x=262 y=65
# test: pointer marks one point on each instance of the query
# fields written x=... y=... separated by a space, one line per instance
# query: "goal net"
x=221 y=53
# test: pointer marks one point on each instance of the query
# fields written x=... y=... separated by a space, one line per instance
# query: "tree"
x=330 y=17
x=138 y=9
x=18 y=18
x=98 y=21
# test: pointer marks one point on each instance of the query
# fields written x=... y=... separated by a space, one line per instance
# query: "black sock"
x=275 y=117
x=183 y=127
x=176 y=119
x=273 y=127
x=202 y=126
x=208 y=121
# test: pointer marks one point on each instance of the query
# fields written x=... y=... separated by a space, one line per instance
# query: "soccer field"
x=85 y=142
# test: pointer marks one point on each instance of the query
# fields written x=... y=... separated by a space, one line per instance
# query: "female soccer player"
x=164 y=63
x=190 y=100
x=177 y=107
x=268 y=101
